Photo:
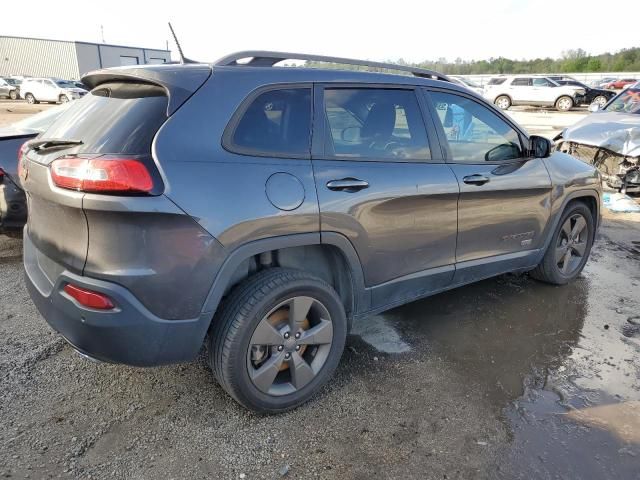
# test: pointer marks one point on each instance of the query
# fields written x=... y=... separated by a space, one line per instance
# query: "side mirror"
x=540 y=147
x=594 y=107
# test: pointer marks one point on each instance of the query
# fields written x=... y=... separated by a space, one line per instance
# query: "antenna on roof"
x=183 y=59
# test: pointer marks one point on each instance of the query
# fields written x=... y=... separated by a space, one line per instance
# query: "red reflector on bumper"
x=89 y=298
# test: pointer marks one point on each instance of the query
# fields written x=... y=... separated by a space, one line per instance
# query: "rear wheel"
x=503 y=102
x=30 y=98
x=564 y=104
x=569 y=248
x=63 y=99
x=277 y=339
x=13 y=95
x=600 y=100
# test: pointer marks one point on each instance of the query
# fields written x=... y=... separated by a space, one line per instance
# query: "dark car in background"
x=592 y=95
x=266 y=209
x=13 y=204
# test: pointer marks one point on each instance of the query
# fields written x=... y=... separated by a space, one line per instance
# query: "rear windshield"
x=113 y=118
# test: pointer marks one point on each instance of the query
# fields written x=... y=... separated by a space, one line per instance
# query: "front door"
x=504 y=195
x=382 y=184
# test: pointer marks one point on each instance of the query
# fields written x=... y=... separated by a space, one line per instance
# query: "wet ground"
x=508 y=378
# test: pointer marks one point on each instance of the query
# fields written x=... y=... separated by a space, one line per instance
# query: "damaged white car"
x=609 y=139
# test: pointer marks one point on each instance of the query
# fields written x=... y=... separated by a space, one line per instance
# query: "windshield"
x=41 y=121
x=65 y=84
x=627 y=102
x=12 y=81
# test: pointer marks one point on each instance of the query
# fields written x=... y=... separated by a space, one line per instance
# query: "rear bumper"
x=128 y=334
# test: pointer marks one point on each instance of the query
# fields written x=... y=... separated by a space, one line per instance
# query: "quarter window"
x=475 y=134
x=375 y=124
x=277 y=123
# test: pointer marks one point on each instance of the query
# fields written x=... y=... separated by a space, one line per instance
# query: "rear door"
x=504 y=195
x=383 y=184
x=520 y=90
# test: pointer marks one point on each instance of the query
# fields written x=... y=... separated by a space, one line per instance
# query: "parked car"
x=13 y=204
x=8 y=91
x=620 y=83
x=602 y=82
x=532 y=90
x=279 y=205
x=609 y=139
x=36 y=90
x=592 y=95
x=467 y=83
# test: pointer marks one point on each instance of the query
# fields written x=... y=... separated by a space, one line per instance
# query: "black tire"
x=234 y=326
x=30 y=98
x=63 y=98
x=13 y=95
x=503 y=102
x=549 y=270
x=564 y=103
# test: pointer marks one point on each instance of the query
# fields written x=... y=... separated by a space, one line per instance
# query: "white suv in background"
x=533 y=90
x=36 y=90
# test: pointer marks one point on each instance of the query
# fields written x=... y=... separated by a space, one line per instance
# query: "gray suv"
x=266 y=209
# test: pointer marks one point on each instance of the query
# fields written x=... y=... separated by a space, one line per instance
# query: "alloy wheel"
x=600 y=100
x=564 y=104
x=289 y=346
x=572 y=244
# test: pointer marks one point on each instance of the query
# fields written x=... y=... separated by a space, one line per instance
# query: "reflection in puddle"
x=560 y=364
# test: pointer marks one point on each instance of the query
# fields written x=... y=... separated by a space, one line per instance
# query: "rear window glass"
x=114 y=118
x=277 y=122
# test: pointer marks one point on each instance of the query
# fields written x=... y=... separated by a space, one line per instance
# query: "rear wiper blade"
x=42 y=143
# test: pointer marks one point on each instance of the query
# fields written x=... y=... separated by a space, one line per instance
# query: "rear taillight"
x=89 y=298
x=102 y=174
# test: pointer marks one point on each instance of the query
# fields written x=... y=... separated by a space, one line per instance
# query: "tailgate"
x=56 y=223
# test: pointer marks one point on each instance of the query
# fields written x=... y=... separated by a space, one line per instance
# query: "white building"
x=35 y=57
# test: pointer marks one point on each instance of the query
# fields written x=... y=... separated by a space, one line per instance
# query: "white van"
x=36 y=90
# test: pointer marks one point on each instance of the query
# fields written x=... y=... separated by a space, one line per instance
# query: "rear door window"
x=520 y=82
x=371 y=123
x=276 y=123
x=114 y=118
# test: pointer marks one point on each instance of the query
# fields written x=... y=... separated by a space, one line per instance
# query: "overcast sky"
x=374 y=30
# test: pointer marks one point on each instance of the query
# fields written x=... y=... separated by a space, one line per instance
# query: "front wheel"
x=569 y=248
x=564 y=104
x=503 y=102
x=30 y=99
x=13 y=95
x=63 y=99
x=277 y=339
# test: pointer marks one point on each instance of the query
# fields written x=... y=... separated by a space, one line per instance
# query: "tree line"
x=571 y=61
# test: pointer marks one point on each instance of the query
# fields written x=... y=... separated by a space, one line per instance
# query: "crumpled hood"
x=617 y=132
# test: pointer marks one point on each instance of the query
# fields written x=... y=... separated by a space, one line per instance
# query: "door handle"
x=347 y=185
x=475 y=179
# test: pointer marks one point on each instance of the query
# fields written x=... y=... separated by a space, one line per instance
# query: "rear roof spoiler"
x=179 y=81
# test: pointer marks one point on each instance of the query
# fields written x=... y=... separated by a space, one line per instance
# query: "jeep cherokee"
x=266 y=209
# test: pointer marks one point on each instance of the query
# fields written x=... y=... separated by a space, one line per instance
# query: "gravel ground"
x=507 y=378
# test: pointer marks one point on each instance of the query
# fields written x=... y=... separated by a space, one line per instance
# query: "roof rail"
x=260 y=58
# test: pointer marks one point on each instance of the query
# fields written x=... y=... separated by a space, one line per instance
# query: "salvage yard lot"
x=492 y=380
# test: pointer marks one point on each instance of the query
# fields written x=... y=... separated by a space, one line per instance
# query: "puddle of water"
x=380 y=334
x=547 y=358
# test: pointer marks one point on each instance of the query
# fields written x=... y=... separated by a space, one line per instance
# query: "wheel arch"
x=502 y=95
x=589 y=197
x=331 y=258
